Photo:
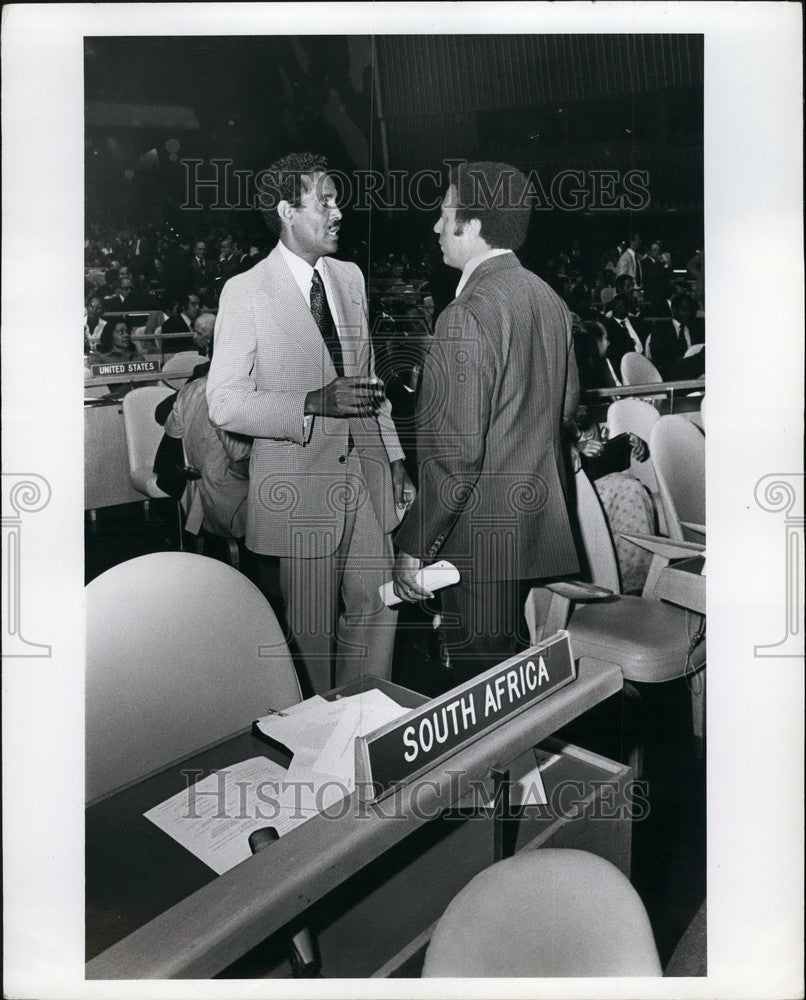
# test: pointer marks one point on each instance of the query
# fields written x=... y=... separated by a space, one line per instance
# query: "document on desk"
x=214 y=817
x=321 y=734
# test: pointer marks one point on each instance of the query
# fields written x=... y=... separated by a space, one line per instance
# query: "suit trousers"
x=332 y=607
x=483 y=624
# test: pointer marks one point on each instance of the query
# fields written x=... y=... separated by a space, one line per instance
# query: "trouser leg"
x=310 y=601
x=366 y=629
x=483 y=624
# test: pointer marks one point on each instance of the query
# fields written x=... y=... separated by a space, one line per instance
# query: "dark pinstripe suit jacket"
x=496 y=384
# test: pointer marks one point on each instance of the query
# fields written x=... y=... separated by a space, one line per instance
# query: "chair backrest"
x=594 y=535
x=635 y=416
x=143 y=433
x=182 y=650
x=678 y=452
x=184 y=361
x=638 y=370
x=547 y=913
x=702 y=413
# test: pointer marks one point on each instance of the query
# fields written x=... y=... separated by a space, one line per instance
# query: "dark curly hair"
x=495 y=194
x=283 y=182
x=105 y=340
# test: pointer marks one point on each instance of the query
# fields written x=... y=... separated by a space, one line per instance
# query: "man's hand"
x=346 y=397
x=403 y=487
x=590 y=447
x=404 y=581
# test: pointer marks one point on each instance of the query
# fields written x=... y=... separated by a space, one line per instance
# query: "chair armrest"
x=667 y=548
x=578 y=590
x=699 y=528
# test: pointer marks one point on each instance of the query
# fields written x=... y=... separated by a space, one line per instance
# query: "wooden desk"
x=682 y=582
x=154 y=911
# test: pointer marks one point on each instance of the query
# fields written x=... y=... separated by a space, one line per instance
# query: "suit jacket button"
x=342 y=459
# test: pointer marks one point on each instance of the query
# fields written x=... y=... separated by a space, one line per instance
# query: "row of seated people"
x=674 y=344
x=100 y=326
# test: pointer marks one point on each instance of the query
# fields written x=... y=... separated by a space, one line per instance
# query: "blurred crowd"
x=151 y=281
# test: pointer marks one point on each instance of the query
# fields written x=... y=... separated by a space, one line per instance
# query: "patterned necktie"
x=324 y=320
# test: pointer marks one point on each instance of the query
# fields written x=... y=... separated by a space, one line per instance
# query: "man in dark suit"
x=498 y=382
x=657 y=275
x=674 y=338
x=182 y=323
x=230 y=262
x=625 y=333
x=201 y=271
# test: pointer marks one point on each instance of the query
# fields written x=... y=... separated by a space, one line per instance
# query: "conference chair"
x=184 y=361
x=544 y=913
x=678 y=454
x=652 y=641
x=182 y=651
x=634 y=416
x=143 y=435
x=637 y=369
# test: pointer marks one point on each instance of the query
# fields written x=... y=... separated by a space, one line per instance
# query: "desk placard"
x=125 y=368
x=414 y=743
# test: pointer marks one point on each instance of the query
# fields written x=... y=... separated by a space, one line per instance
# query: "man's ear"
x=285 y=211
x=474 y=225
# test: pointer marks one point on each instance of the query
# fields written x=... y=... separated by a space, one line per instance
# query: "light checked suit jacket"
x=268 y=354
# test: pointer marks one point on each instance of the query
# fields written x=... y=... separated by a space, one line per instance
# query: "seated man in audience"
x=232 y=260
x=622 y=332
x=219 y=458
x=183 y=323
x=674 y=341
x=203 y=327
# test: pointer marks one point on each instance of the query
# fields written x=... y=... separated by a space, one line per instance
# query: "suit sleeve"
x=234 y=401
x=571 y=399
x=453 y=416
x=386 y=424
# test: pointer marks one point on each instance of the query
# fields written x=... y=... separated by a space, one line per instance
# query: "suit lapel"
x=289 y=309
x=348 y=317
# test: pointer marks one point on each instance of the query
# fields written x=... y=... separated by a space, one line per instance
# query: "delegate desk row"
x=367 y=877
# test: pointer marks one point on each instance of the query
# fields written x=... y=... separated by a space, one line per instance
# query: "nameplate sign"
x=125 y=368
x=417 y=741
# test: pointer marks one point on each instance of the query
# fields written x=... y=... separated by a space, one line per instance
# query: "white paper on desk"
x=361 y=714
x=214 y=818
x=304 y=726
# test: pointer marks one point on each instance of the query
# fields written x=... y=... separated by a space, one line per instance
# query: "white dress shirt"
x=635 y=338
x=473 y=263
x=302 y=273
x=616 y=379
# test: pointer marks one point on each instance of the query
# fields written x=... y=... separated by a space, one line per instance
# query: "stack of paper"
x=214 y=817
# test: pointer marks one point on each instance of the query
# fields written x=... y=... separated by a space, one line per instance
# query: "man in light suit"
x=293 y=369
x=498 y=382
x=630 y=263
